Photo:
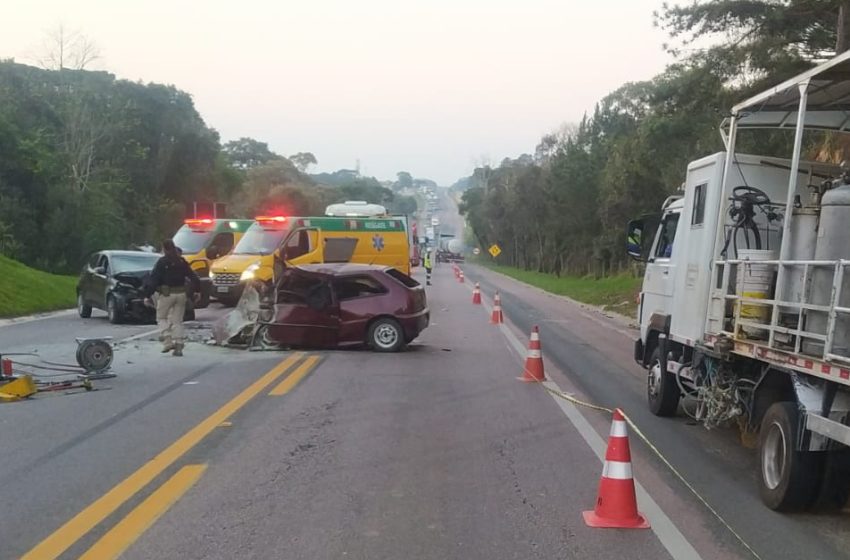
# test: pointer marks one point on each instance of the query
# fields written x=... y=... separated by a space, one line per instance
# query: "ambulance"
x=273 y=242
x=203 y=240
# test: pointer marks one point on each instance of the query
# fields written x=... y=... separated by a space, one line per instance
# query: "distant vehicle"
x=113 y=280
x=203 y=240
x=341 y=305
x=435 y=221
x=450 y=250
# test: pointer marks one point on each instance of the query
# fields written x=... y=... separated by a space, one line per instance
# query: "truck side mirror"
x=634 y=240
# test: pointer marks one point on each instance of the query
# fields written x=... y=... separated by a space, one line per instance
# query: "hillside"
x=24 y=290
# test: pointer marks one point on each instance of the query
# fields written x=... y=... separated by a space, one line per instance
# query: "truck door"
x=303 y=247
x=660 y=270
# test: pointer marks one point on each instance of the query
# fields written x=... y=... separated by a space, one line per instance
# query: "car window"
x=103 y=262
x=299 y=243
x=224 y=242
x=93 y=260
x=666 y=236
x=303 y=289
x=351 y=287
x=402 y=277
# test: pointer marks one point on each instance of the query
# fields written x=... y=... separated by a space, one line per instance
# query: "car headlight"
x=249 y=272
x=212 y=275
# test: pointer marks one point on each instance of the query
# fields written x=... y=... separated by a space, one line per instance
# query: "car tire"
x=788 y=479
x=113 y=311
x=662 y=391
x=386 y=335
x=83 y=309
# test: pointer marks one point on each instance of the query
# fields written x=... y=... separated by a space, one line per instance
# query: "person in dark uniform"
x=169 y=280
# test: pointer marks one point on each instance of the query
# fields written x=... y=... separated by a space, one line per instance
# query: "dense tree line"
x=564 y=208
x=89 y=161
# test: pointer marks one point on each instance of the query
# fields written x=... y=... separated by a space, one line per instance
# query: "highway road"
x=435 y=453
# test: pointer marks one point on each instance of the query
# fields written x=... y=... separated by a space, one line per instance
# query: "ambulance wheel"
x=662 y=392
x=788 y=479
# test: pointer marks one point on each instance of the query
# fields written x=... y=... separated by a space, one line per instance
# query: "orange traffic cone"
x=460 y=277
x=497 y=318
x=534 y=359
x=476 y=295
x=616 y=505
x=456 y=270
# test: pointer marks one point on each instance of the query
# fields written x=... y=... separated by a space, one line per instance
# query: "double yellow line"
x=123 y=534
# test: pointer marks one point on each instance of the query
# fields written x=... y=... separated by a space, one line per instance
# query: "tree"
x=303 y=160
x=67 y=48
x=405 y=180
x=247 y=153
x=761 y=36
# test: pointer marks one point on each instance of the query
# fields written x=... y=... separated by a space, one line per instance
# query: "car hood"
x=235 y=263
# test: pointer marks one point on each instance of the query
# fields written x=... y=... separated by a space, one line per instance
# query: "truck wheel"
x=386 y=335
x=662 y=392
x=789 y=479
x=114 y=311
x=83 y=309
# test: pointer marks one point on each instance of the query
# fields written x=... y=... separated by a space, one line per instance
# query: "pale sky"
x=426 y=87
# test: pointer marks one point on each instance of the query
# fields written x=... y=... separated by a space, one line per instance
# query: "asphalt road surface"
x=435 y=453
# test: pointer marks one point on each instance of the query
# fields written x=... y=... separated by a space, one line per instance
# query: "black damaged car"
x=113 y=281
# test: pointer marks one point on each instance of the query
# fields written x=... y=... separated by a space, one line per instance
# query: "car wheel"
x=116 y=316
x=386 y=335
x=83 y=309
x=789 y=479
x=662 y=392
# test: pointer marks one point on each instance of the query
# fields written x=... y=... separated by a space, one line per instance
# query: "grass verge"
x=24 y=290
x=614 y=293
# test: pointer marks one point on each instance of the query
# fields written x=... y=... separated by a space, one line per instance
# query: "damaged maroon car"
x=342 y=305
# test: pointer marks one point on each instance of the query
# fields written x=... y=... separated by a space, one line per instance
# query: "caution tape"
x=657 y=452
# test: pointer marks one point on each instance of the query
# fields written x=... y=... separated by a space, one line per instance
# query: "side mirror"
x=212 y=252
x=100 y=270
x=635 y=240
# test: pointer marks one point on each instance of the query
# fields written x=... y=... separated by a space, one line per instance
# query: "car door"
x=660 y=269
x=100 y=282
x=305 y=313
x=359 y=300
x=84 y=285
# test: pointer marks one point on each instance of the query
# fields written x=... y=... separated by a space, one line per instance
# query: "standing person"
x=427 y=265
x=168 y=279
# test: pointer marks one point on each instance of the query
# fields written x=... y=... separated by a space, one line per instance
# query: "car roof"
x=340 y=269
x=116 y=253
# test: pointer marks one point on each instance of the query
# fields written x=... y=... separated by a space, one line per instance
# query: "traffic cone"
x=616 y=504
x=534 y=359
x=476 y=295
x=497 y=317
x=460 y=277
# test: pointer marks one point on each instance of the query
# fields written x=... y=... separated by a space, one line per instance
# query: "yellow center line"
x=69 y=533
x=291 y=381
x=119 y=538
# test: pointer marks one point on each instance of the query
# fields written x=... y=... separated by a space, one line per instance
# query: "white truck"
x=745 y=305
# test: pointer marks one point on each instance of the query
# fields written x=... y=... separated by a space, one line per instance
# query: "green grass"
x=24 y=290
x=614 y=293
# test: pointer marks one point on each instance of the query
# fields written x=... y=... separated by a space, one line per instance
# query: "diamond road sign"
x=495 y=250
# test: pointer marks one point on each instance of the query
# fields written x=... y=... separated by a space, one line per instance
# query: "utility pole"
x=843 y=29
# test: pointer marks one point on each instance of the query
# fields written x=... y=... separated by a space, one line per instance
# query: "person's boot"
x=178 y=349
x=168 y=347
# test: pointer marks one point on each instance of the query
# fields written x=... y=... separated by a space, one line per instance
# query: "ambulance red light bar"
x=199 y=222
x=271 y=219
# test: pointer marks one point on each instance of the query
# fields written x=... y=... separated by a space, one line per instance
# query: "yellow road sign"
x=495 y=250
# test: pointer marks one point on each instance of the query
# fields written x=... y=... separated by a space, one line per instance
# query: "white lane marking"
x=38 y=317
x=671 y=538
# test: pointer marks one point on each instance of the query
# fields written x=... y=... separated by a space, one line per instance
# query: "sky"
x=429 y=87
